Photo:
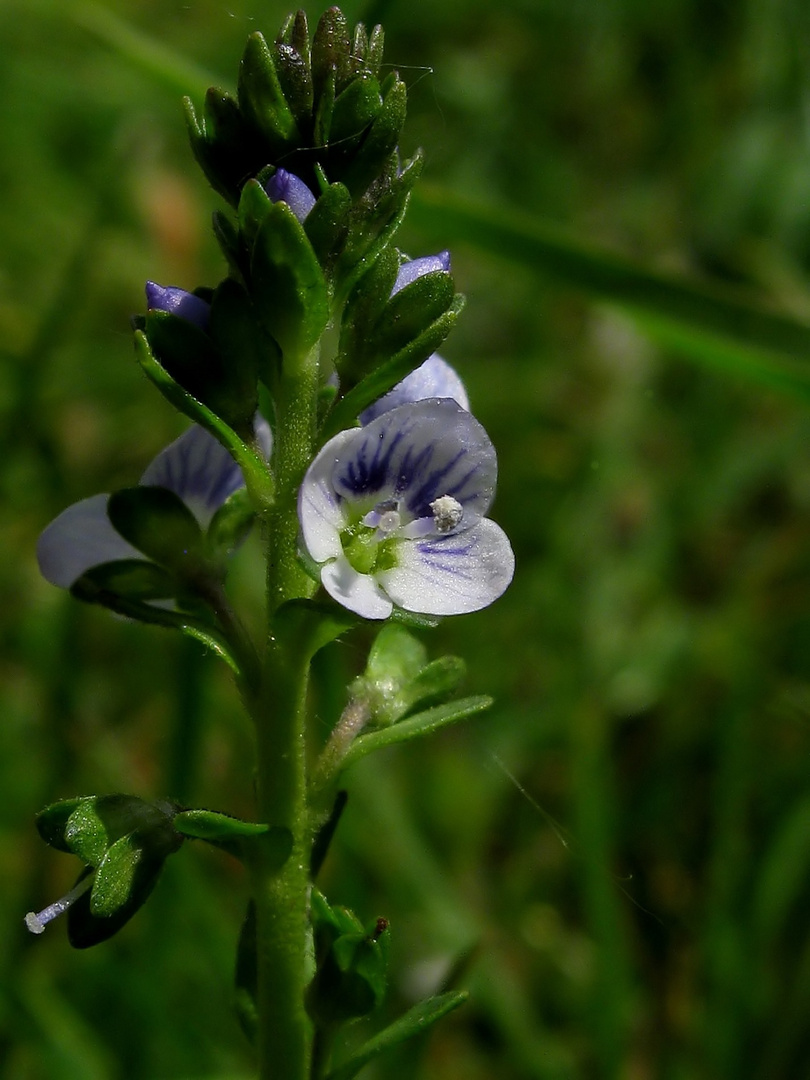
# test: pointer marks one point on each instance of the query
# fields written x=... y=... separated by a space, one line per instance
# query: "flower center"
x=369 y=543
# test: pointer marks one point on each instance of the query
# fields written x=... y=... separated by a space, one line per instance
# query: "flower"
x=393 y=513
x=195 y=467
x=285 y=187
x=435 y=378
x=178 y=302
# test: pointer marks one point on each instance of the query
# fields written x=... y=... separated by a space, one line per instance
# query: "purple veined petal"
x=319 y=510
x=416 y=454
x=415 y=268
x=178 y=302
x=79 y=538
x=451 y=575
x=435 y=378
x=198 y=469
x=359 y=593
x=285 y=187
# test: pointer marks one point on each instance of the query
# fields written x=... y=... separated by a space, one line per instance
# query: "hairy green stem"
x=284 y=951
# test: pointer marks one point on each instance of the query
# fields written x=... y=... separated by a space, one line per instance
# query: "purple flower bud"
x=178 y=302
x=285 y=187
x=414 y=269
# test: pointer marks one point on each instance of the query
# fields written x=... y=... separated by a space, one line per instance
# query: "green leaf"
x=382 y=138
x=395 y=658
x=235 y=836
x=261 y=98
x=434 y=683
x=258 y=478
x=158 y=523
x=209 y=825
x=292 y=58
x=716 y=326
x=231 y=524
x=355 y=108
x=115 y=877
x=126 y=585
x=99 y=821
x=222 y=142
x=288 y=286
x=414 y=1022
x=424 y=723
x=52 y=822
x=388 y=374
x=328 y=221
x=308 y=625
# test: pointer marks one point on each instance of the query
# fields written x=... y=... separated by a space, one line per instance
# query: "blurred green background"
x=615 y=860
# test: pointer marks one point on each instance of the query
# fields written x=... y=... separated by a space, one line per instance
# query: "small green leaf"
x=247 y=352
x=382 y=138
x=258 y=478
x=431 y=685
x=288 y=286
x=395 y=658
x=414 y=1022
x=424 y=723
x=231 y=524
x=99 y=821
x=261 y=98
x=308 y=625
x=388 y=374
x=328 y=221
x=209 y=825
x=158 y=523
x=115 y=877
x=52 y=822
x=355 y=108
x=221 y=142
x=292 y=59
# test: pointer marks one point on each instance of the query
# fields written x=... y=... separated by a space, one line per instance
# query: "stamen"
x=447 y=513
x=37 y=921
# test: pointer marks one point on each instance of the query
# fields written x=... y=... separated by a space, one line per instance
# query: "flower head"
x=394 y=514
x=195 y=467
x=178 y=302
x=286 y=187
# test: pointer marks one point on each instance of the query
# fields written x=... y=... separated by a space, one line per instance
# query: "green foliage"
x=638 y=892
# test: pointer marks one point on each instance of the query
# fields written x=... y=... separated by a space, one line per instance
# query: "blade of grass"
x=720 y=327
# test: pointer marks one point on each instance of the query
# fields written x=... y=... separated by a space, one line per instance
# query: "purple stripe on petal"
x=198 y=469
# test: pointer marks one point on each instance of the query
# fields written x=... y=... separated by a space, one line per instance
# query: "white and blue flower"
x=393 y=513
x=196 y=467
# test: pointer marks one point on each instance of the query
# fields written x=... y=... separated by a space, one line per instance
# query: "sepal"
x=351 y=964
x=288 y=286
x=158 y=523
x=261 y=98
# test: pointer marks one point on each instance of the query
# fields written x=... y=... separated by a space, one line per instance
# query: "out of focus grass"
x=616 y=861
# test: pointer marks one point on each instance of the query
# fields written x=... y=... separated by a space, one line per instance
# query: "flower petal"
x=415 y=268
x=285 y=187
x=319 y=510
x=415 y=454
x=79 y=538
x=432 y=379
x=178 y=302
x=451 y=575
x=357 y=592
x=199 y=469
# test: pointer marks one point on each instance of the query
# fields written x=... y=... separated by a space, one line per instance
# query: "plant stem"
x=284 y=950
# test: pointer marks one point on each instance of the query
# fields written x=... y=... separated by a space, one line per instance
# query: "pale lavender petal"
x=319 y=509
x=178 y=302
x=285 y=187
x=414 y=455
x=79 y=538
x=433 y=379
x=357 y=592
x=416 y=268
x=199 y=469
x=451 y=575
